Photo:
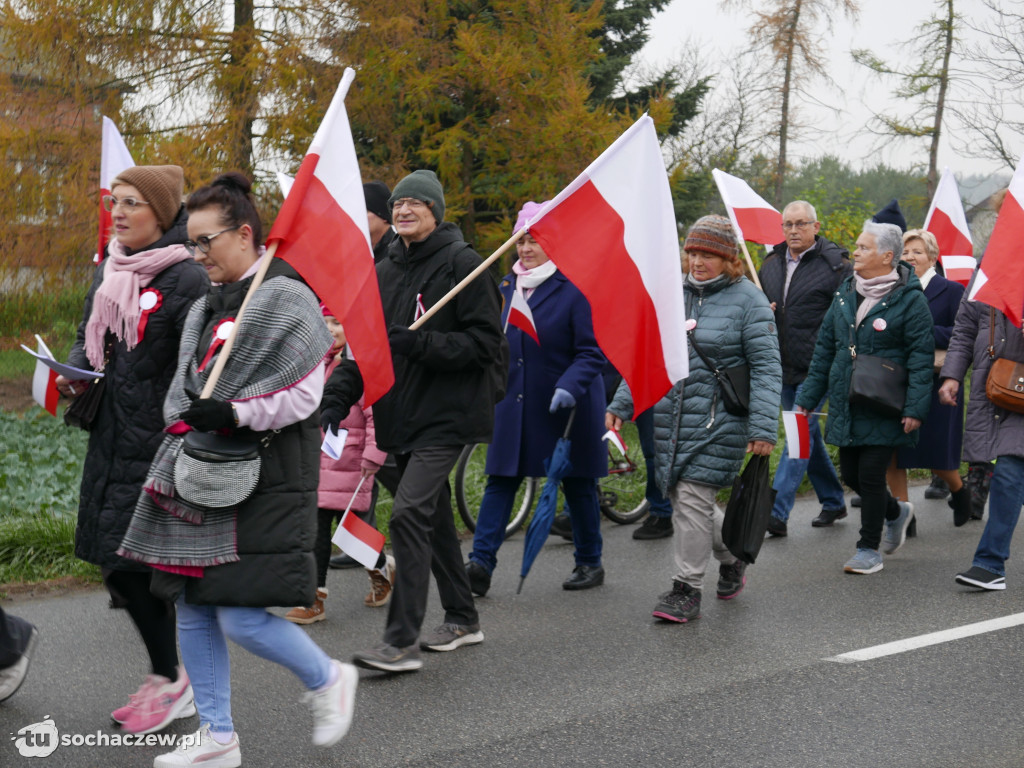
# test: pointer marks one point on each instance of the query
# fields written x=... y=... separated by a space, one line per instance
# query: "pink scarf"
x=873 y=289
x=115 y=305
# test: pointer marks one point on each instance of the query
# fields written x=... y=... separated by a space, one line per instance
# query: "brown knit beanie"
x=162 y=186
x=714 y=235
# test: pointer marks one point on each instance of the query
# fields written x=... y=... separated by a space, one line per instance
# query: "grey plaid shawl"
x=280 y=341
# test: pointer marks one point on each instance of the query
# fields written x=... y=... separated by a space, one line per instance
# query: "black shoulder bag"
x=877 y=382
x=734 y=383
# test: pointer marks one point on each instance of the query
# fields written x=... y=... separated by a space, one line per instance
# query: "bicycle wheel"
x=470 y=480
x=622 y=493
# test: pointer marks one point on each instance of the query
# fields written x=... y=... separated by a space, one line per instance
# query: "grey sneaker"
x=448 y=637
x=981 y=578
x=731 y=579
x=865 y=561
x=387 y=658
x=681 y=604
x=896 y=530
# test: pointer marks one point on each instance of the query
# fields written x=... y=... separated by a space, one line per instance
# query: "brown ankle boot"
x=315 y=612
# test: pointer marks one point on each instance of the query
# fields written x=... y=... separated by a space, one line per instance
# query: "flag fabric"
x=798 y=436
x=358 y=540
x=521 y=316
x=322 y=231
x=613 y=437
x=114 y=158
x=753 y=216
x=621 y=208
x=1000 y=279
x=948 y=222
x=44 y=383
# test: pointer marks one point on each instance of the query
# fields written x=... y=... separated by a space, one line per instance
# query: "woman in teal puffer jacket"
x=884 y=304
x=699 y=446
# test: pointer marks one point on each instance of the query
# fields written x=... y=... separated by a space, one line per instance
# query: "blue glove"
x=561 y=399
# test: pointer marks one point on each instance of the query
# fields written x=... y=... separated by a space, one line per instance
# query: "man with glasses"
x=799 y=277
x=443 y=399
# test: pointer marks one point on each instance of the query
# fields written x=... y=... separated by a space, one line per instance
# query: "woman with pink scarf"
x=134 y=314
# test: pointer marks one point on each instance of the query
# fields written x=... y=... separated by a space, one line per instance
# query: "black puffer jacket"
x=129 y=424
x=814 y=283
x=443 y=393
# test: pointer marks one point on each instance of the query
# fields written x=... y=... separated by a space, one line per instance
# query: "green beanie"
x=421 y=185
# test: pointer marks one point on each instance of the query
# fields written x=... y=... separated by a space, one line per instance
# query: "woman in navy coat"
x=547 y=378
x=942 y=433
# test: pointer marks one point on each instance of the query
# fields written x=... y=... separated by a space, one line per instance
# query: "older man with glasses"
x=800 y=277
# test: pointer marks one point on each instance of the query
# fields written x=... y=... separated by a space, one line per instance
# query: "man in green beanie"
x=443 y=399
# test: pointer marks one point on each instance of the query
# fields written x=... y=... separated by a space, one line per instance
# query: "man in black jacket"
x=442 y=400
x=800 y=277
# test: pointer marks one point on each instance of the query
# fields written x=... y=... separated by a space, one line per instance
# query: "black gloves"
x=402 y=340
x=330 y=418
x=208 y=415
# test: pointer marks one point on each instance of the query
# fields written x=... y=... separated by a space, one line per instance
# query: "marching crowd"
x=204 y=508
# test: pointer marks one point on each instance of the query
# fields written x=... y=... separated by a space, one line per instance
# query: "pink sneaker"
x=121 y=714
x=160 y=702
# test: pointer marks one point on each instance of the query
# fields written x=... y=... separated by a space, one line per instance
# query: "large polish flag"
x=114 y=158
x=360 y=541
x=948 y=222
x=1000 y=279
x=612 y=233
x=322 y=232
x=753 y=216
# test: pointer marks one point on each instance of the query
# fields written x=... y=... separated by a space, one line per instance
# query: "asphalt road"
x=590 y=679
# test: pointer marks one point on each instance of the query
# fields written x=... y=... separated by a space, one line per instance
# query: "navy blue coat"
x=568 y=357
x=942 y=433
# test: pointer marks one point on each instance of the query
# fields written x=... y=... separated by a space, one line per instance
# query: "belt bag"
x=877 y=382
x=1005 y=383
x=733 y=383
x=216 y=471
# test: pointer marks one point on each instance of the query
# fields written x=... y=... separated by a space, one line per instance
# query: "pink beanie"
x=528 y=211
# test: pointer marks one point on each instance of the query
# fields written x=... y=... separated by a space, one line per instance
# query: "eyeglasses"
x=128 y=203
x=203 y=241
x=412 y=202
x=797 y=224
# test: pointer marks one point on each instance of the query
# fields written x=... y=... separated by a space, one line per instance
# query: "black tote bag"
x=746 y=516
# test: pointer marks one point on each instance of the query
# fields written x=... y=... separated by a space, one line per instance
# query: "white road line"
x=933 y=638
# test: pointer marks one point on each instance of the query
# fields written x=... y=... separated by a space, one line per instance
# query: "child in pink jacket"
x=339 y=478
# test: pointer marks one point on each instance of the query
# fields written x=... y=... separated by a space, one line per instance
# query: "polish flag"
x=947 y=221
x=358 y=540
x=44 y=381
x=798 y=436
x=754 y=218
x=322 y=232
x=1000 y=280
x=613 y=437
x=521 y=316
x=114 y=158
x=621 y=208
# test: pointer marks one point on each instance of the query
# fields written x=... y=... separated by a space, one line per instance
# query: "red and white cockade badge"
x=150 y=300
x=879 y=324
x=690 y=324
x=221 y=331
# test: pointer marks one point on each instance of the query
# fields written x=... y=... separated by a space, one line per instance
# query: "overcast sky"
x=881 y=25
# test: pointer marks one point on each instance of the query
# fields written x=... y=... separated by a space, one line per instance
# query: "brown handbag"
x=1005 y=383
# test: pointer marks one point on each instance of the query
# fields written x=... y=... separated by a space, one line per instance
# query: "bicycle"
x=620 y=494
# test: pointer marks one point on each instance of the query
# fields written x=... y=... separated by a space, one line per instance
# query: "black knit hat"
x=891 y=214
x=712 y=234
x=377 y=194
x=421 y=185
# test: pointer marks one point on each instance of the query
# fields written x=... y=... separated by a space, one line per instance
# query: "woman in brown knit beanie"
x=134 y=312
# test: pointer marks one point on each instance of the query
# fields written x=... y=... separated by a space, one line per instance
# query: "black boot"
x=937 y=489
x=960 y=503
x=979 y=477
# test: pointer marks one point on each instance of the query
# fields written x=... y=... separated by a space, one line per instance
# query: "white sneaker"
x=201 y=748
x=333 y=705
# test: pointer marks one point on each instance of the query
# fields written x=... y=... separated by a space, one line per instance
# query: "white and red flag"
x=322 y=231
x=114 y=158
x=798 y=436
x=615 y=438
x=755 y=218
x=521 y=316
x=1000 y=280
x=358 y=540
x=621 y=208
x=948 y=222
x=44 y=381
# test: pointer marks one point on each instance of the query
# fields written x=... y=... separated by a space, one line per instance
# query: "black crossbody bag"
x=877 y=382
x=733 y=383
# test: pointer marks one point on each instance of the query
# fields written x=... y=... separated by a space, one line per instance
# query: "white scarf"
x=873 y=289
x=528 y=279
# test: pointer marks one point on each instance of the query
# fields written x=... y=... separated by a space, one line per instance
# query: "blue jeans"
x=203 y=631
x=496 y=508
x=1005 y=498
x=658 y=505
x=819 y=468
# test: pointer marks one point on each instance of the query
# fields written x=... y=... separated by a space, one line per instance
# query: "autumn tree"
x=787 y=32
x=924 y=85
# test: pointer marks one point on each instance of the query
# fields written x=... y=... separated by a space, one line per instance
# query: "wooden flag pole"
x=750 y=263
x=222 y=358
x=467 y=280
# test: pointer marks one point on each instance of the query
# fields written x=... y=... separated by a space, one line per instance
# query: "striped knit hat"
x=714 y=235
